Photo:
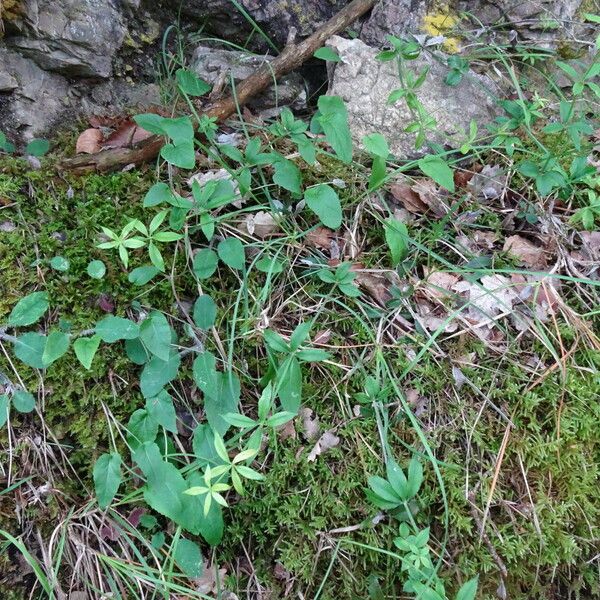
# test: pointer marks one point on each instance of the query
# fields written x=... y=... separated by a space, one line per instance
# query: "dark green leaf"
x=231 y=252
x=141 y=428
x=107 y=478
x=205 y=263
x=327 y=54
x=205 y=312
x=57 y=343
x=438 y=169
x=289 y=385
x=396 y=237
x=85 y=349
x=37 y=147
x=161 y=409
x=23 y=401
x=190 y=83
x=142 y=275
x=157 y=373
x=334 y=120
x=29 y=348
x=323 y=200
x=112 y=329
x=189 y=558
x=288 y=176
x=155 y=334
x=28 y=310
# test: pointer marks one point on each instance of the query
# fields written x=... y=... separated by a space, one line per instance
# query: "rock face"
x=365 y=84
x=36 y=98
x=72 y=37
x=218 y=67
x=274 y=17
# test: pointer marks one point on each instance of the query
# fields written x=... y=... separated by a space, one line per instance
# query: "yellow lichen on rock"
x=9 y=10
x=442 y=21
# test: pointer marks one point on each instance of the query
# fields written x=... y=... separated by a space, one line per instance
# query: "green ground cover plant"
x=273 y=378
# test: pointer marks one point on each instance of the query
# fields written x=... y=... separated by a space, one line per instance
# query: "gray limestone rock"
x=217 y=66
x=365 y=84
x=37 y=99
x=72 y=37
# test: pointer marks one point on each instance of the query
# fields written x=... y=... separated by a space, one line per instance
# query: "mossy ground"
x=543 y=513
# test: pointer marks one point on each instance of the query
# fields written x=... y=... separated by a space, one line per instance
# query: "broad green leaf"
x=384 y=490
x=160 y=192
x=37 y=147
x=60 y=263
x=189 y=558
x=57 y=343
x=204 y=446
x=334 y=121
x=376 y=144
x=155 y=334
x=231 y=252
x=269 y=264
x=225 y=401
x=141 y=428
x=438 y=169
x=85 y=349
x=398 y=479
x=136 y=352
x=190 y=83
x=205 y=263
x=142 y=275
x=150 y=122
x=326 y=53
x=157 y=373
x=205 y=312
x=396 y=237
x=205 y=373
x=323 y=200
x=289 y=385
x=468 y=590
x=96 y=269
x=29 y=348
x=107 y=478
x=180 y=130
x=288 y=176
x=164 y=492
x=29 y=310
x=23 y=401
x=161 y=409
x=181 y=155
x=4 y=407
x=211 y=526
x=164 y=483
x=112 y=329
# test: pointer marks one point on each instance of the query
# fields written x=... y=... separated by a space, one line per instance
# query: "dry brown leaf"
x=260 y=224
x=126 y=135
x=322 y=337
x=492 y=296
x=287 y=431
x=327 y=441
x=310 y=426
x=89 y=142
x=431 y=196
x=439 y=284
x=320 y=237
x=403 y=192
x=207 y=582
x=525 y=251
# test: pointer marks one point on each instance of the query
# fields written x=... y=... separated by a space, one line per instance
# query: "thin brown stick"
x=291 y=57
